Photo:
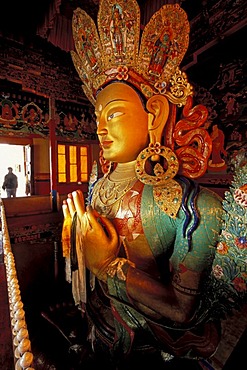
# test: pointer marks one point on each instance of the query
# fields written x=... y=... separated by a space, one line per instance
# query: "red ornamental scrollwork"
x=194 y=142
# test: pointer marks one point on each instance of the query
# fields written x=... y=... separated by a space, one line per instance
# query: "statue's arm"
x=176 y=298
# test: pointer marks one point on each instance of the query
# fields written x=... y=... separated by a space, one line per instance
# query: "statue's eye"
x=114 y=115
x=110 y=117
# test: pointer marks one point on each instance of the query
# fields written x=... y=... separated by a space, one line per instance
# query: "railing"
x=24 y=206
x=23 y=356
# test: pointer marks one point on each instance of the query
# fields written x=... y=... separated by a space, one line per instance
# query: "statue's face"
x=122 y=123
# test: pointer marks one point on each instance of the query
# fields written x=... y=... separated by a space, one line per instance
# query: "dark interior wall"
x=35 y=236
x=35 y=271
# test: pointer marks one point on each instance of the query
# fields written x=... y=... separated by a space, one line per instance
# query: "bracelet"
x=185 y=290
x=115 y=268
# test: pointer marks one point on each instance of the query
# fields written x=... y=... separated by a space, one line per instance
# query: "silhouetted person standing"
x=10 y=183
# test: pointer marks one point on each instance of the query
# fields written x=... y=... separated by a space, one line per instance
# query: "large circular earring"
x=167 y=192
x=161 y=175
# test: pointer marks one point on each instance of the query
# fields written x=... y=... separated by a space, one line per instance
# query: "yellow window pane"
x=83 y=165
x=61 y=177
x=83 y=150
x=61 y=163
x=73 y=173
x=84 y=177
x=61 y=149
x=72 y=154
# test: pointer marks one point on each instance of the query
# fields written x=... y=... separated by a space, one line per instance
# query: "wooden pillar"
x=53 y=153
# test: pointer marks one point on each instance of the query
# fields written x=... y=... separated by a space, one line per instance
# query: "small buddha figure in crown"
x=162 y=48
x=148 y=234
x=117 y=30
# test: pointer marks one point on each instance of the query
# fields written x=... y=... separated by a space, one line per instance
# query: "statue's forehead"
x=115 y=92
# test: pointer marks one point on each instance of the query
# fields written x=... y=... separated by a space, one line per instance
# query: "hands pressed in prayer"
x=100 y=239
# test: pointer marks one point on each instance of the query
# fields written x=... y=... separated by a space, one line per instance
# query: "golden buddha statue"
x=148 y=233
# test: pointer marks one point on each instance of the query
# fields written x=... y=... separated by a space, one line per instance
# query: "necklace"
x=107 y=194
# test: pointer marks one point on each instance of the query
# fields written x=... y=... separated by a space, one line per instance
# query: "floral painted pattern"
x=230 y=264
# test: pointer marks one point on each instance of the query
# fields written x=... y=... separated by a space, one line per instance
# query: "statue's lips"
x=106 y=144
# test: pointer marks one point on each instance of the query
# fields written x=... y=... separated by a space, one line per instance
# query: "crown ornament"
x=115 y=50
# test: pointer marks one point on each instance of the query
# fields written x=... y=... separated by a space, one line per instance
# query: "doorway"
x=19 y=158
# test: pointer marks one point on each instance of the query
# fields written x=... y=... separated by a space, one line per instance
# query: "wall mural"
x=73 y=122
x=22 y=119
x=226 y=101
x=214 y=21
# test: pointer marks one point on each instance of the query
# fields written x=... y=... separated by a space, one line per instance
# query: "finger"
x=113 y=235
x=92 y=217
x=79 y=203
x=65 y=209
x=71 y=207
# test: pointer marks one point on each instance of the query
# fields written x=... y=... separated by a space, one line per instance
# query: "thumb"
x=94 y=217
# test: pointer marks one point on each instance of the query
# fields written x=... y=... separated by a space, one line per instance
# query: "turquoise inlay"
x=164 y=233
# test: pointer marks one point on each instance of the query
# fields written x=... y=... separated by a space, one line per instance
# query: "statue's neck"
x=123 y=171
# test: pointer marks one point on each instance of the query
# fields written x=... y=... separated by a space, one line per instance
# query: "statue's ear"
x=158 y=108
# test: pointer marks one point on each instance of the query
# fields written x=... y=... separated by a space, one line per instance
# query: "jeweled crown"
x=114 y=51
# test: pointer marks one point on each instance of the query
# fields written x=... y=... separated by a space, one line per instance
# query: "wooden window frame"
x=68 y=163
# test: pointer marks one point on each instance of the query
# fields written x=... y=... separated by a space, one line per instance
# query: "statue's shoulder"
x=208 y=198
x=199 y=196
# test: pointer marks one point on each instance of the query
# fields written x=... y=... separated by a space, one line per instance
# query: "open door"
x=27 y=169
x=19 y=157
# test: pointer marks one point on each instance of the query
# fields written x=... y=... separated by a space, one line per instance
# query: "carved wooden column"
x=53 y=153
